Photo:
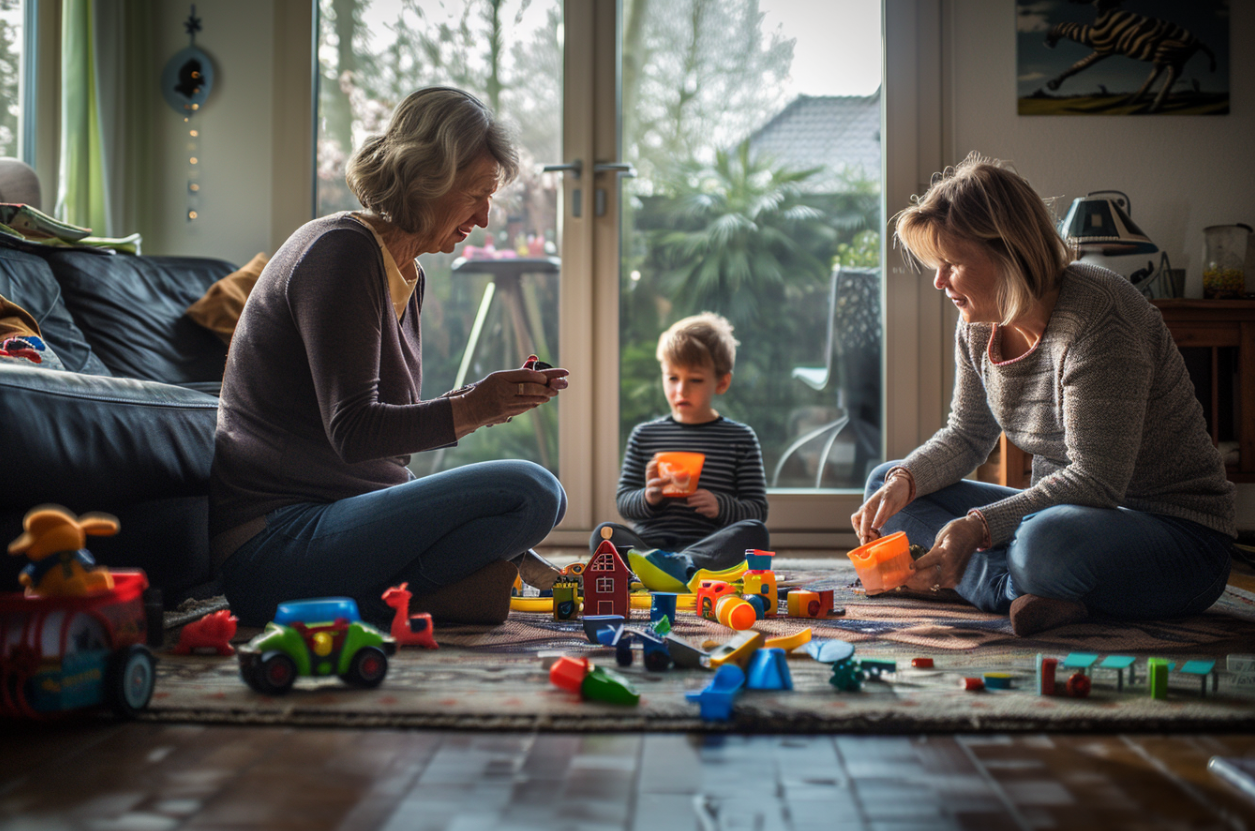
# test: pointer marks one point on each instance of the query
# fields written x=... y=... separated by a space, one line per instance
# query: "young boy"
x=714 y=526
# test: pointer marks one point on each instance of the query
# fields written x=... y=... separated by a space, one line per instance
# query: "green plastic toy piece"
x=662 y=626
x=847 y=676
x=604 y=685
x=1157 y=670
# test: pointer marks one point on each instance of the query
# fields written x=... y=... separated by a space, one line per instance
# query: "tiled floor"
x=155 y=776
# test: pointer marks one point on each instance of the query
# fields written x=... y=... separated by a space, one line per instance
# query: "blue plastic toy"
x=595 y=624
x=829 y=651
x=717 y=698
x=769 y=670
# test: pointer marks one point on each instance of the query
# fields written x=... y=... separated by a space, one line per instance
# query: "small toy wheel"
x=275 y=675
x=130 y=680
x=657 y=661
x=368 y=668
x=1079 y=685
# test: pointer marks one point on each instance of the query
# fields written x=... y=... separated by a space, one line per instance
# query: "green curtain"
x=107 y=94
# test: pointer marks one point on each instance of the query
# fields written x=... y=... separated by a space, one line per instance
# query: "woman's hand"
x=503 y=395
x=944 y=564
x=880 y=506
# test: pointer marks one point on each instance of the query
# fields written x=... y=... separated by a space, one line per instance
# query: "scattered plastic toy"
x=684 y=654
x=213 y=631
x=769 y=670
x=595 y=625
x=607 y=593
x=52 y=540
x=922 y=663
x=408 y=629
x=847 y=675
x=738 y=650
x=593 y=683
x=829 y=651
x=1078 y=685
x=717 y=699
x=790 y=642
x=972 y=685
x=997 y=680
x=316 y=637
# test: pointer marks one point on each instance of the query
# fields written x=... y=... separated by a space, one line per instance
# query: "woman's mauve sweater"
x=321 y=397
x=1104 y=404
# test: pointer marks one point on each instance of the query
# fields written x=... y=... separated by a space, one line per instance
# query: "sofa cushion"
x=27 y=280
x=98 y=443
x=131 y=310
x=220 y=309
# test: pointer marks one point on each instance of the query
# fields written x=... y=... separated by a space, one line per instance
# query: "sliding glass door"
x=679 y=156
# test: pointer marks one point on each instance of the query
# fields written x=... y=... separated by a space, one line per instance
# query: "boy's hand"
x=653 y=483
x=704 y=502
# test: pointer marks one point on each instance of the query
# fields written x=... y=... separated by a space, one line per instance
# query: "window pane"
x=11 y=34
x=754 y=127
x=494 y=300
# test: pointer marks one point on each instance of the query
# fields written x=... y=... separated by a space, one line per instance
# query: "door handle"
x=575 y=168
x=621 y=169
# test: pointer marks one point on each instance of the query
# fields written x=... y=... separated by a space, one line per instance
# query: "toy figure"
x=60 y=566
x=213 y=631
x=409 y=629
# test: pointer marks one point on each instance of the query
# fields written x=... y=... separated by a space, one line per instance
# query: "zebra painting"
x=1165 y=45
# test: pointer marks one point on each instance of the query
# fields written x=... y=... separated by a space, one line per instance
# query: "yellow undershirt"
x=399 y=288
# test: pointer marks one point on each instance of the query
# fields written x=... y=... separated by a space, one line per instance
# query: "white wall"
x=1182 y=173
x=242 y=194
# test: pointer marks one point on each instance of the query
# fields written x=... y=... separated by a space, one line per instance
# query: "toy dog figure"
x=60 y=566
x=213 y=631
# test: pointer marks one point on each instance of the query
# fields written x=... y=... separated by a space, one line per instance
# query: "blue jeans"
x=1120 y=563
x=430 y=532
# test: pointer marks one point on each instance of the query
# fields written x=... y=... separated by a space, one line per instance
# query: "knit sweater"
x=732 y=471
x=1104 y=404
x=321 y=396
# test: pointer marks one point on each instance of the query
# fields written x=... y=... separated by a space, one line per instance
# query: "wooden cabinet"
x=1212 y=325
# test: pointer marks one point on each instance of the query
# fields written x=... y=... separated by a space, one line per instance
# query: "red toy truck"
x=68 y=653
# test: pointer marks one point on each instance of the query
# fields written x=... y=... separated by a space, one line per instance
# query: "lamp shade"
x=1098 y=223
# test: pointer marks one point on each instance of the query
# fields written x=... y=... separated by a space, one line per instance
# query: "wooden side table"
x=1216 y=325
x=1210 y=324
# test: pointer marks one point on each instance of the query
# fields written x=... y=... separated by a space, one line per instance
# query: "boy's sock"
x=662 y=571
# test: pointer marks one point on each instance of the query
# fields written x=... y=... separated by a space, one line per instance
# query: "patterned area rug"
x=495 y=679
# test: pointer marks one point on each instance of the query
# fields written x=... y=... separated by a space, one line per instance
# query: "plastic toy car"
x=71 y=652
x=319 y=637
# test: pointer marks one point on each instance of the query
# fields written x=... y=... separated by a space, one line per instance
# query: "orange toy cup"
x=683 y=468
x=883 y=564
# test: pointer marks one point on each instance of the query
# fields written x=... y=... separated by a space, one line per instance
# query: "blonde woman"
x=1129 y=513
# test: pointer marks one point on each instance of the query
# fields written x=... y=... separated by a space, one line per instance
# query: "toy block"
x=603 y=685
x=1046 y=675
x=662 y=605
x=1157 y=671
x=566 y=600
x=790 y=642
x=596 y=623
x=1119 y=663
x=717 y=698
x=972 y=685
x=709 y=593
x=683 y=653
x=810 y=604
x=997 y=680
x=1080 y=661
x=607 y=582
x=829 y=651
x=761 y=585
x=758 y=560
x=1202 y=669
x=568 y=672
x=922 y=663
x=769 y=671
x=739 y=649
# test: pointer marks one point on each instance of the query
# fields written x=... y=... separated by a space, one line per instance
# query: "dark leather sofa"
x=128 y=428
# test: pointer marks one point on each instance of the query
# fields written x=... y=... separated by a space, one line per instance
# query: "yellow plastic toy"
x=728 y=575
x=738 y=650
x=53 y=540
x=790 y=642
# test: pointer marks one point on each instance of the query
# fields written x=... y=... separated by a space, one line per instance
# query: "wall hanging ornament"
x=185 y=84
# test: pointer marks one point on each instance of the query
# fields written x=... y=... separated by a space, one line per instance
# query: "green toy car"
x=319 y=637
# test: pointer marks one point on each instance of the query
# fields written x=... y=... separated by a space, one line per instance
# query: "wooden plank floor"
x=102 y=775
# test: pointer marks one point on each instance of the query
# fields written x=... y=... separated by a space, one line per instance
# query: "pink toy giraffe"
x=408 y=629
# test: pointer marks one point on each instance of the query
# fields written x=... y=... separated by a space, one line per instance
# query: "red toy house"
x=606 y=583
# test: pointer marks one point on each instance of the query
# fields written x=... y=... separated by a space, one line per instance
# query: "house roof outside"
x=837 y=132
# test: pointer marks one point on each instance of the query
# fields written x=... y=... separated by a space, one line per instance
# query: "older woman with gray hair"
x=322 y=401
